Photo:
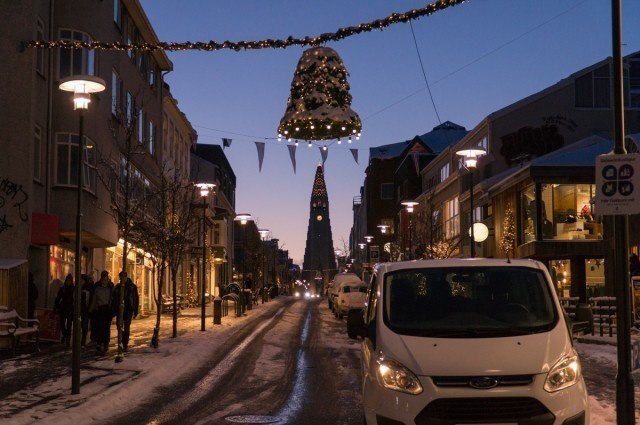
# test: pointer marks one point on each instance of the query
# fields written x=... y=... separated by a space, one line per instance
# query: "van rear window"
x=468 y=302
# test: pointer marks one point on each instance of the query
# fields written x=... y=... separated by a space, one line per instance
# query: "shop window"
x=594 y=272
x=561 y=276
x=75 y=61
x=568 y=207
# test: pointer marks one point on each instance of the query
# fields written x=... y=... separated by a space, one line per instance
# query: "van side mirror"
x=355 y=324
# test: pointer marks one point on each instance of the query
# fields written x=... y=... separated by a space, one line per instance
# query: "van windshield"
x=468 y=302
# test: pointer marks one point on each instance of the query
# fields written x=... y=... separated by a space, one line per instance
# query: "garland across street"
x=212 y=45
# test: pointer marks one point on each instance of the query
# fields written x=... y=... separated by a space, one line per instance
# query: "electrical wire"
x=424 y=74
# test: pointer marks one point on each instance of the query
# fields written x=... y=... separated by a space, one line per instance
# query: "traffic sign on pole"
x=617 y=184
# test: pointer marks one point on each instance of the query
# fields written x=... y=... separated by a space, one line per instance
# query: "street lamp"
x=82 y=86
x=264 y=233
x=243 y=218
x=409 y=206
x=204 y=188
x=471 y=161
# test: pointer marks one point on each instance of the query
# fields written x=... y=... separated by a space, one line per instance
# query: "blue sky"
x=479 y=56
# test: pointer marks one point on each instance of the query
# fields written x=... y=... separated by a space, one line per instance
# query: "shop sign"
x=617 y=184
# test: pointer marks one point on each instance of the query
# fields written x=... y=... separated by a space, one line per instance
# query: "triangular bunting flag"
x=416 y=162
x=354 y=152
x=226 y=143
x=260 y=147
x=324 y=154
x=292 y=155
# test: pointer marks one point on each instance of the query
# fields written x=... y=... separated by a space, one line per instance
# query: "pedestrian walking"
x=88 y=287
x=101 y=311
x=33 y=296
x=63 y=307
x=131 y=303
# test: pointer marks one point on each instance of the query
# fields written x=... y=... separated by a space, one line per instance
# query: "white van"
x=464 y=341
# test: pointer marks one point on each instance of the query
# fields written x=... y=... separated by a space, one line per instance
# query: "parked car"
x=334 y=285
x=467 y=341
x=350 y=296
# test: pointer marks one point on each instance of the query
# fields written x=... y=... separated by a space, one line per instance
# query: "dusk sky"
x=479 y=57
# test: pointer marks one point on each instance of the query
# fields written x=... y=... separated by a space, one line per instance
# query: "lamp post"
x=82 y=86
x=205 y=189
x=409 y=206
x=471 y=161
x=264 y=233
x=243 y=218
x=384 y=230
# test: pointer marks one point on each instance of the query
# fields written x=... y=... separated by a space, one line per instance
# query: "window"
x=634 y=83
x=37 y=153
x=116 y=94
x=67 y=161
x=117 y=13
x=468 y=302
x=451 y=218
x=152 y=73
x=386 y=191
x=40 y=52
x=141 y=127
x=444 y=172
x=151 y=137
x=484 y=144
x=436 y=226
x=477 y=215
x=593 y=89
x=130 y=108
x=75 y=61
x=566 y=212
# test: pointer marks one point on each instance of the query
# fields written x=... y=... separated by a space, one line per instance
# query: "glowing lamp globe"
x=480 y=232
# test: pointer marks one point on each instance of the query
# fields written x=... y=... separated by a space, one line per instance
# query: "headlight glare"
x=394 y=376
x=563 y=375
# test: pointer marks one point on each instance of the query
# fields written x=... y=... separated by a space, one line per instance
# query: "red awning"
x=44 y=229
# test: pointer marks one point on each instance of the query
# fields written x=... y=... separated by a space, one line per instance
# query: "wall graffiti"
x=13 y=198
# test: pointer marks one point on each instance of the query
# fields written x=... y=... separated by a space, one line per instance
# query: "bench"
x=13 y=326
x=167 y=303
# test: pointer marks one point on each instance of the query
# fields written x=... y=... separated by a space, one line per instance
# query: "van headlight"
x=394 y=376
x=564 y=374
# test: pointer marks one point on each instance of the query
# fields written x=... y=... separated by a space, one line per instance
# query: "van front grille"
x=465 y=381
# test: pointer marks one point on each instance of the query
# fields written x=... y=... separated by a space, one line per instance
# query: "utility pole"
x=625 y=403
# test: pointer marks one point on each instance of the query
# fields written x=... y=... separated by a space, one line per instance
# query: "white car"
x=334 y=285
x=351 y=296
x=467 y=341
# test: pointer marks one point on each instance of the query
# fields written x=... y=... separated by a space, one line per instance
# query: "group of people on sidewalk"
x=99 y=304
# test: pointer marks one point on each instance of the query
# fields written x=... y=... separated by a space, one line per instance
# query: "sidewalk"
x=37 y=387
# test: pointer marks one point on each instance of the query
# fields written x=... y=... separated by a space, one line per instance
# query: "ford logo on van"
x=483 y=382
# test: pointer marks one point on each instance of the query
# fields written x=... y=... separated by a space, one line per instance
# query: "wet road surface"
x=297 y=367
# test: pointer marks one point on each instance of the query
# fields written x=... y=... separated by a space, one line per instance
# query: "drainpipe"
x=47 y=168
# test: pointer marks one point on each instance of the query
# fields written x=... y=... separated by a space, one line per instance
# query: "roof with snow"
x=388 y=151
x=443 y=136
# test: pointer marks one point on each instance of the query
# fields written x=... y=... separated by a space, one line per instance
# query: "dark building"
x=319 y=259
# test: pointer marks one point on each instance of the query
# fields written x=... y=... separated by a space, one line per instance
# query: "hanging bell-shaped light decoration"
x=319 y=107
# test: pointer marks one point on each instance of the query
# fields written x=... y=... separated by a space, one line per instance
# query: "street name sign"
x=617 y=184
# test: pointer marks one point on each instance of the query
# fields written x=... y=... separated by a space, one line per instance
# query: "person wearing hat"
x=101 y=313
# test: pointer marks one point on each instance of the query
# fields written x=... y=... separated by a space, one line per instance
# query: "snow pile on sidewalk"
x=109 y=387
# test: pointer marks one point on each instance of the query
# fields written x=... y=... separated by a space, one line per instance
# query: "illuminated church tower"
x=319 y=259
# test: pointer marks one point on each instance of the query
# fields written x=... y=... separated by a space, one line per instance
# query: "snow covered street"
x=288 y=360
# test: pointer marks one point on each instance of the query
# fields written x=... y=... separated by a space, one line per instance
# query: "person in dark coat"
x=131 y=304
x=63 y=307
x=33 y=296
x=101 y=312
x=87 y=293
